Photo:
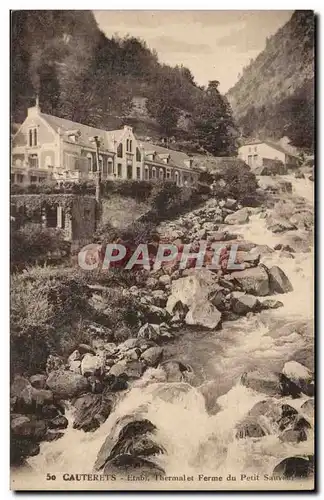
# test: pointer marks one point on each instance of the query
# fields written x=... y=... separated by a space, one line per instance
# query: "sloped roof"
x=87 y=132
x=274 y=145
x=177 y=158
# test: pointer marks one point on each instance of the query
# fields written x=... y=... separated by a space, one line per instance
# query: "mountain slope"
x=275 y=95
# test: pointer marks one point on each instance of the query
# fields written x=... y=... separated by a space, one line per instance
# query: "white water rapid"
x=197 y=442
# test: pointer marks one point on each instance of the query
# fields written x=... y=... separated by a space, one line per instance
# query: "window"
x=138 y=155
x=120 y=150
x=119 y=170
x=130 y=145
x=161 y=173
x=127 y=145
x=255 y=159
x=33 y=161
x=89 y=157
x=20 y=178
x=110 y=166
x=250 y=160
x=105 y=169
x=138 y=172
x=32 y=138
x=153 y=173
x=249 y=150
x=33 y=179
x=168 y=174
x=177 y=178
x=146 y=173
x=255 y=149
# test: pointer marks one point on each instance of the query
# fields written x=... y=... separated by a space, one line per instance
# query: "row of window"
x=255 y=149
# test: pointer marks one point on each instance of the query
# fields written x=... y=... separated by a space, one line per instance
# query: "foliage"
x=41 y=304
x=236 y=182
x=33 y=243
x=213 y=125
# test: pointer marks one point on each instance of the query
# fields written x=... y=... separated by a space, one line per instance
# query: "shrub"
x=42 y=303
x=33 y=243
x=237 y=182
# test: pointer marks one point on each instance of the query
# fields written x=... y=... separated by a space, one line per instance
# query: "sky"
x=214 y=45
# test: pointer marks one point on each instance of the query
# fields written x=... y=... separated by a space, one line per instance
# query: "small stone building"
x=76 y=216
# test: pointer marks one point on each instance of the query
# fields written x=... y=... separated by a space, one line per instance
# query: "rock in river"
x=254 y=280
x=66 y=384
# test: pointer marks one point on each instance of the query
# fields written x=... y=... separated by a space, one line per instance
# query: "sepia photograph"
x=162 y=182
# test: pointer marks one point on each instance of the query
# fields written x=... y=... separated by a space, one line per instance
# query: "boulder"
x=27 y=397
x=293 y=436
x=308 y=409
x=197 y=285
x=59 y=422
x=50 y=411
x=303 y=219
x=174 y=370
x=203 y=314
x=244 y=304
x=74 y=356
x=278 y=281
x=115 y=383
x=152 y=356
x=91 y=410
x=132 y=369
x=31 y=428
x=254 y=281
x=305 y=356
x=92 y=365
x=75 y=366
x=22 y=448
x=299 y=467
x=86 y=349
x=164 y=280
x=270 y=304
x=249 y=428
x=131 y=438
x=301 y=376
x=263 y=381
x=239 y=217
x=66 y=384
x=38 y=381
x=280 y=225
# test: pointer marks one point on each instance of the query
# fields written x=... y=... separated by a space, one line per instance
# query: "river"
x=197 y=441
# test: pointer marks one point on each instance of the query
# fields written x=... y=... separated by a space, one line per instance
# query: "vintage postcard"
x=162 y=250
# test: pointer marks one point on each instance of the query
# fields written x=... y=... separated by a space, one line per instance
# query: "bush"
x=43 y=301
x=168 y=199
x=33 y=243
x=237 y=182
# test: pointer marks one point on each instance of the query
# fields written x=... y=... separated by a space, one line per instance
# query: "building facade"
x=256 y=153
x=48 y=148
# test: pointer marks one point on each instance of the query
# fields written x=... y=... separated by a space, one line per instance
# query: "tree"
x=213 y=123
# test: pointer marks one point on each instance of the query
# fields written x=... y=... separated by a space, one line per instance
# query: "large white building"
x=48 y=148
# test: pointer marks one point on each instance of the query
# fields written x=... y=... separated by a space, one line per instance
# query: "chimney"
x=34 y=110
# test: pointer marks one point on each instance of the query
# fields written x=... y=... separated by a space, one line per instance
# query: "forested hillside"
x=275 y=94
x=82 y=75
